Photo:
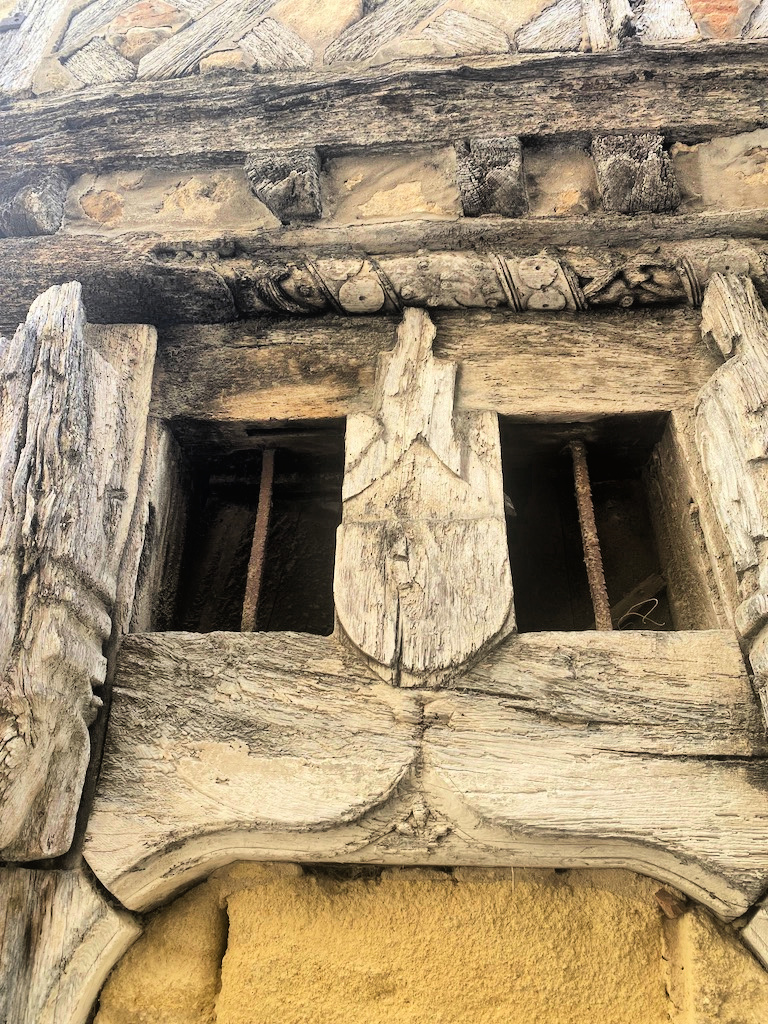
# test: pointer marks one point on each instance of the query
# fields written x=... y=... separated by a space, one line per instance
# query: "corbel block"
x=288 y=183
x=635 y=174
x=489 y=174
x=33 y=204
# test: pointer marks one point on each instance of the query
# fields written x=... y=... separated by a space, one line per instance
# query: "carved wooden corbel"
x=72 y=426
x=33 y=204
x=288 y=183
x=422 y=578
x=489 y=174
x=635 y=174
x=732 y=437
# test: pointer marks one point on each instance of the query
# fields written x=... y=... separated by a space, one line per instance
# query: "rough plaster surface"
x=560 y=180
x=412 y=946
x=378 y=187
x=728 y=173
x=147 y=200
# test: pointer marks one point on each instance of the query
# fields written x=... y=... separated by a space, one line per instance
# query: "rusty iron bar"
x=259 y=543
x=593 y=559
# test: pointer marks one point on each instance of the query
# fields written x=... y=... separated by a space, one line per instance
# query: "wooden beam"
x=692 y=92
x=213 y=382
x=73 y=420
x=59 y=939
x=258 y=547
x=641 y=750
x=214 y=278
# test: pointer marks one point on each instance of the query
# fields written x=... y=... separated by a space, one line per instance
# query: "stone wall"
x=256 y=944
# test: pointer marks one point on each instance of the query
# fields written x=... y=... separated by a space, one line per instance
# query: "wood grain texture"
x=287 y=183
x=385 y=23
x=757 y=26
x=422 y=579
x=22 y=50
x=83 y=23
x=558 y=27
x=635 y=174
x=665 y=21
x=159 y=532
x=642 y=750
x=684 y=92
x=34 y=203
x=732 y=440
x=97 y=63
x=180 y=53
x=274 y=47
x=72 y=425
x=288 y=730
x=731 y=423
x=576 y=366
x=489 y=173
x=59 y=939
x=464 y=34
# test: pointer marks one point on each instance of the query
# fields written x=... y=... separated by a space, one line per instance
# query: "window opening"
x=547 y=547
x=261 y=533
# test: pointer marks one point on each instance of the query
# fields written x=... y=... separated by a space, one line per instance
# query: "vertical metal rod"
x=589 y=539
x=258 y=546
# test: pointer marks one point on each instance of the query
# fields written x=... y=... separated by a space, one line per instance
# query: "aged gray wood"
x=683 y=91
x=732 y=438
x=161 y=503
x=292 y=733
x=72 y=425
x=757 y=26
x=274 y=47
x=537 y=365
x=287 y=183
x=465 y=34
x=558 y=27
x=34 y=203
x=179 y=54
x=141 y=277
x=422 y=579
x=635 y=174
x=59 y=939
x=642 y=750
x=98 y=62
x=489 y=173
x=22 y=50
x=664 y=21
x=754 y=934
x=386 y=22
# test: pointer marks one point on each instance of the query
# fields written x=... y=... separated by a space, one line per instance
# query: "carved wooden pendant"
x=732 y=437
x=72 y=428
x=422 y=579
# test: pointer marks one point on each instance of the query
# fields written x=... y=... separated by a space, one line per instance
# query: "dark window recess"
x=294 y=587
x=546 y=548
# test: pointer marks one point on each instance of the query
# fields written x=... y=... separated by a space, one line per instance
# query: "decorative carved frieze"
x=635 y=174
x=422 y=578
x=72 y=426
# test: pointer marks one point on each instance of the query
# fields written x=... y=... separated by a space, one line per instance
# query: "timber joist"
x=691 y=93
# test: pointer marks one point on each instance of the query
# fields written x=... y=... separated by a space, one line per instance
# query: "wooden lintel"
x=644 y=750
x=692 y=91
x=226 y=377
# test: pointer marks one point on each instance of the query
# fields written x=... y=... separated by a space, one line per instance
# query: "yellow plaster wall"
x=261 y=944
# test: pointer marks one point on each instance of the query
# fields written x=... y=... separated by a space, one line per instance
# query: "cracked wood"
x=72 y=425
x=642 y=750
